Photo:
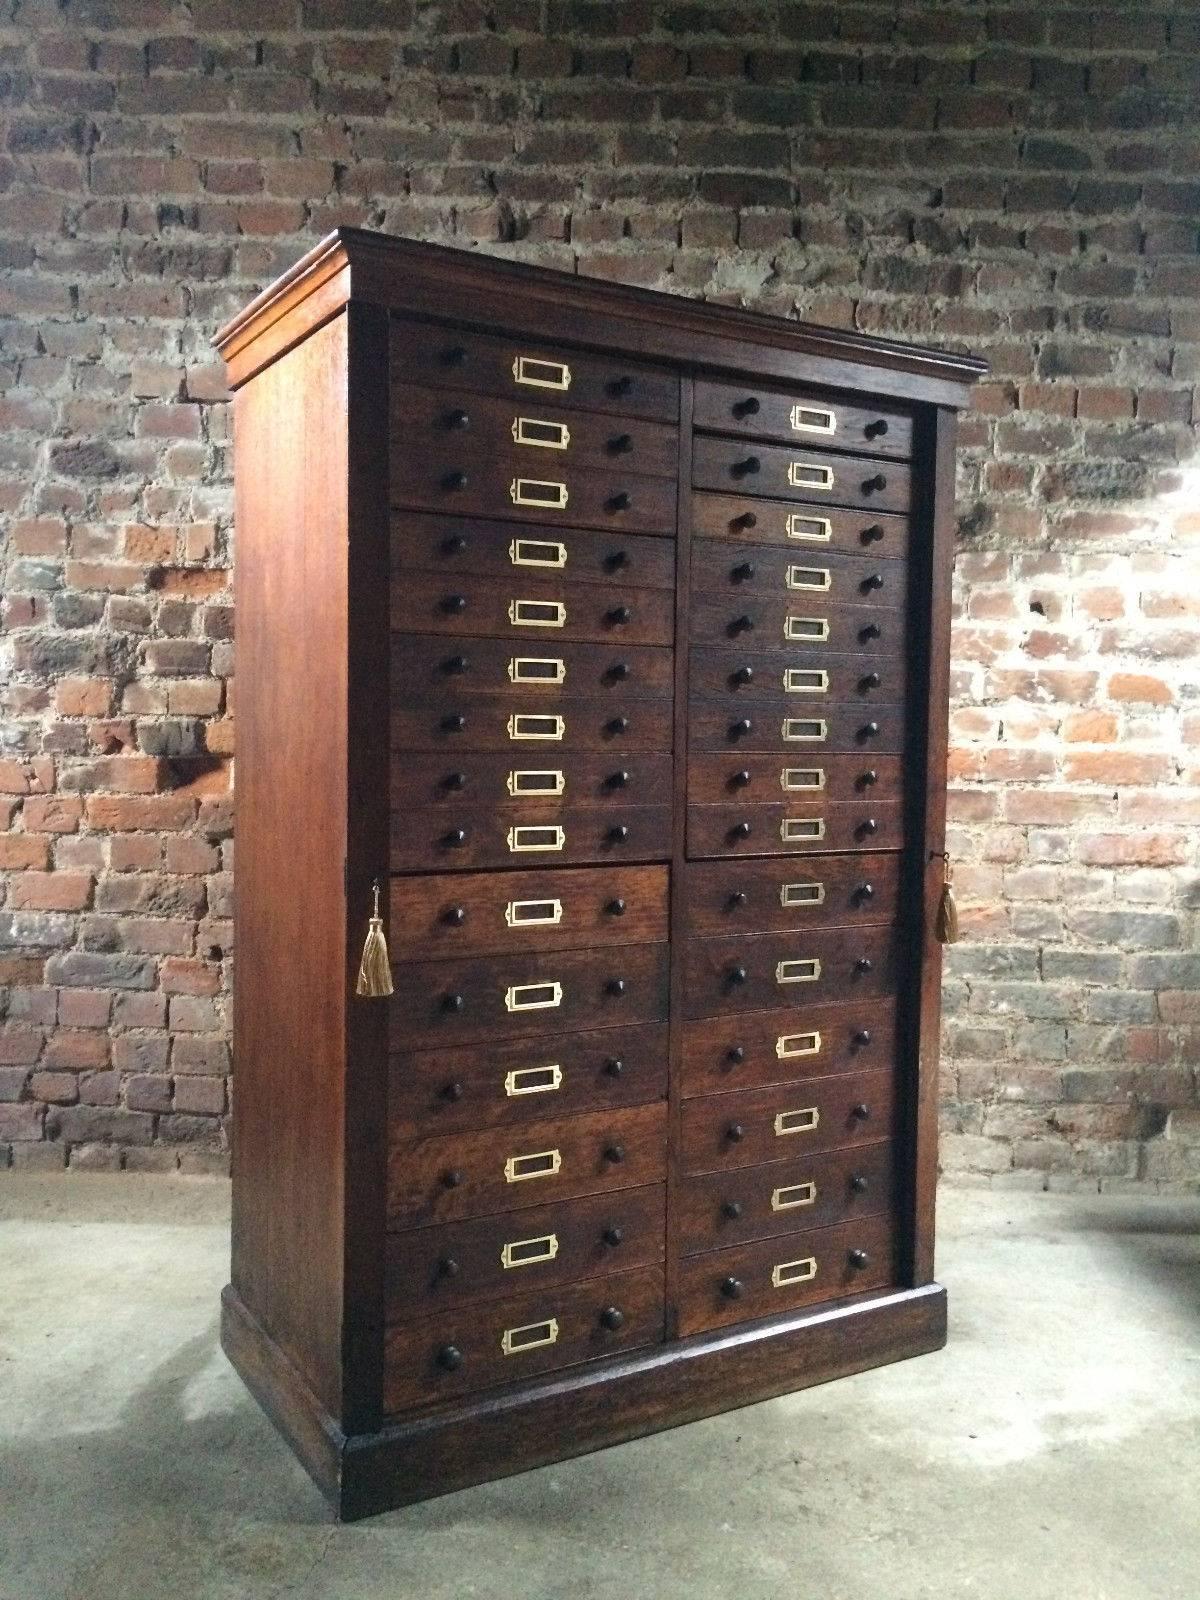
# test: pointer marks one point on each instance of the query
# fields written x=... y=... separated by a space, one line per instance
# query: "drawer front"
x=492 y=722
x=799 y=417
x=808 y=528
x=742 y=675
x=430 y=1269
x=758 y=780
x=423 y=664
x=746 y=1051
x=799 y=473
x=759 y=972
x=528 y=609
x=451 y=785
x=523 y=834
x=807 y=626
x=722 y=897
x=774 y=1276
x=452 y=476
x=493 y=913
x=737 y=570
x=793 y=830
x=786 y=1122
x=423 y=352
x=768 y=722
x=506 y=1341
x=447 y=1091
x=530 y=433
x=528 y=995
x=480 y=548
x=449 y=1177
x=725 y=1208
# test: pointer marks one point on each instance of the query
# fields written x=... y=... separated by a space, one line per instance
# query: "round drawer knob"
x=743 y=572
x=616 y=724
x=750 y=407
x=455 y=839
x=615 y=561
x=868 y=779
x=868 y=826
x=453 y=1091
x=737 y=975
x=736 y=899
x=869 y=730
x=617 y=780
x=618 y=833
x=449 y=1358
x=615 y=1153
x=743 y=725
x=741 y=830
x=612 y=1319
x=452 y=1178
x=865 y=891
x=455 y=356
x=621 y=444
x=455 y=480
x=455 y=722
x=615 y=986
x=745 y=466
x=455 y=916
x=453 y=1002
x=861 y=1112
x=744 y=675
x=742 y=624
x=736 y=1054
x=619 y=501
x=859 y=1259
x=614 y=1066
x=618 y=615
x=863 y=964
x=871 y=485
x=731 y=1288
x=732 y=1209
x=622 y=385
x=448 y=1267
x=871 y=631
x=454 y=544
x=735 y=1132
x=458 y=419
x=876 y=429
x=455 y=665
x=454 y=604
x=862 y=1038
x=740 y=779
x=615 y=908
x=871 y=680
x=860 y=1184
x=746 y=520
x=873 y=580
x=612 y=1237
x=618 y=672
x=455 y=780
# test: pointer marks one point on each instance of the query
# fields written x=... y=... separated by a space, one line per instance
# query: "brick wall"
x=1016 y=178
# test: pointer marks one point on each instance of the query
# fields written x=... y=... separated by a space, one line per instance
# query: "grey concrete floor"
x=1051 y=1451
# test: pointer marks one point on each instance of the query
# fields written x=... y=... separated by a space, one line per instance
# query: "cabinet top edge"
x=410 y=275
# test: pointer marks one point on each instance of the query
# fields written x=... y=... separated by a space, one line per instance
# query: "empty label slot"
x=806 y=630
x=529 y=836
x=814 y=419
x=532 y=1080
x=537 y=553
x=533 y=996
x=540 y=374
x=530 y=1337
x=532 y=913
x=532 y=725
x=527 y=1252
x=794 y=779
x=537 y=613
x=539 y=1164
x=789 y=1045
x=808 y=475
x=788 y=1272
x=806 y=680
x=805 y=730
x=549 y=435
x=793 y=830
x=524 y=782
x=809 y=577
x=802 y=894
x=817 y=529
x=536 y=669
x=544 y=492
x=796 y=1121
x=804 y=969
x=793 y=1197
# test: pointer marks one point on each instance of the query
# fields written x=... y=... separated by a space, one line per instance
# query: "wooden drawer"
x=423 y=664
x=425 y=352
x=431 y=1269
x=807 y=528
x=768 y=896
x=724 y=1208
x=528 y=609
x=795 y=730
x=510 y=1341
x=527 y=834
x=528 y=994
x=758 y=779
x=448 y=1177
x=775 y=1275
x=799 y=473
x=445 y=1091
x=491 y=913
x=741 y=675
x=802 y=417
x=452 y=721
x=762 y=971
x=449 y=786
x=793 y=830
x=424 y=541
x=531 y=433
x=835 y=579
x=786 y=1121
x=809 y=627
x=748 y=1050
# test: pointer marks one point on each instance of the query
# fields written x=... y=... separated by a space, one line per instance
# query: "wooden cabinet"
x=601 y=637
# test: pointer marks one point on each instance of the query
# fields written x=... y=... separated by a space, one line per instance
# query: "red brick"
x=50 y=891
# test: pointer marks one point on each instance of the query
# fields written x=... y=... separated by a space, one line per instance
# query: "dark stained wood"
x=596 y=1152
x=586 y=781
x=807 y=528
x=783 y=829
x=799 y=473
x=460 y=607
x=740 y=675
x=530 y=832
x=758 y=971
x=479 y=546
x=802 y=416
x=793 y=727
x=741 y=569
x=807 y=626
x=763 y=1047
x=786 y=1120
x=453 y=721
x=722 y=897
x=722 y=779
x=423 y=664
x=528 y=1251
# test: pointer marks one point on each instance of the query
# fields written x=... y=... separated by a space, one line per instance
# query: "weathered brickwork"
x=1020 y=179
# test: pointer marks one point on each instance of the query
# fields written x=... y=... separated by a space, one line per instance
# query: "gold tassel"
x=375 y=969
x=946 y=925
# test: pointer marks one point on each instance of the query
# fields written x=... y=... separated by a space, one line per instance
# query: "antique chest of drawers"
x=599 y=639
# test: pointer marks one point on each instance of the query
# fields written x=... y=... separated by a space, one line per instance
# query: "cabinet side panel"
x=289 y=914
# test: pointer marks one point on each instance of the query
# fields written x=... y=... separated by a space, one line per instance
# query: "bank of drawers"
x=532 y=683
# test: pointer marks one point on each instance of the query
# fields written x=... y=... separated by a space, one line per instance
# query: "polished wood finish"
x=608 y=633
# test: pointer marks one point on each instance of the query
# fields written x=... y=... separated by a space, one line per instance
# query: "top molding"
x=467 y=287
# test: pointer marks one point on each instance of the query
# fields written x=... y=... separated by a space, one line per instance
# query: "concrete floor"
x=1051 y=1451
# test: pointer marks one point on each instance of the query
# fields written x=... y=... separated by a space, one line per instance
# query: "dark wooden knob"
x=731 y=1288
x=621 y=444
x=732 y=1209
x=453 y=722
x=614 y=1153
x=745 y=466
x=613 y=1236
x=612 y=1319
x=876 y=429
x=614 y=1066
x=859 y=1259
x=448 y=1267
x=455 y=480
x=617 y=780
x=619 y=501
x=616 y=724
x=868 y=779
x=453 y=1002
x=861 y=1112
x=736 y=899
x=750 y=407
x=455 y=916
x=872 y=534
x=618 y=614
x=615 y=986
x=748 y=519
x=871 y=631
x=736 y=1054
x=859 y=1183
x=874 y=483
x=869 y=730
x=621 y=385
x=742 y=726
x=743 y=572
x=740 y=779
x=455 y=839
x=742 y=625
x=741 y=830
x=453 y=1091
x=873 y=580
x=862 y=1038
x=615 y=908
x=868 y=825
x=449 y=1357
x=863 y=964
x=458 y=419
x=869 y=680
x=616 y=561
x=454 y=604
x=735 y=1132
x=455 y=780
x=452 y=1178
x=865 y=891
x=743 y=675
x=455 y=665
x=618 y=833
x=618 y=671
x=454 y=544
x=737 y=975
